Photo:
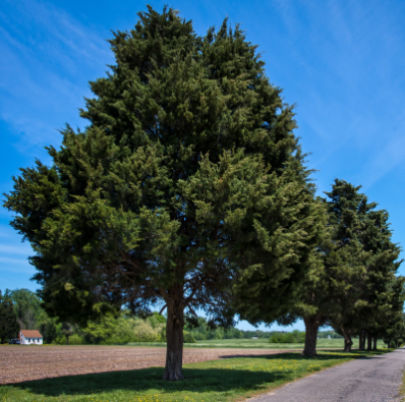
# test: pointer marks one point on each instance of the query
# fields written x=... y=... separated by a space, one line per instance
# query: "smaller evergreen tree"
x=48 y=330
x=8 y=320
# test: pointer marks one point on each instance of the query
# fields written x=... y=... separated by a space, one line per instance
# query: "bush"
x=199 y=336
x=144 y=332
x=393 y=345
x=188 y=337
x=299 y=336
x=156 y=320
x=217 y=334
x=282 y=338
x=76 y=340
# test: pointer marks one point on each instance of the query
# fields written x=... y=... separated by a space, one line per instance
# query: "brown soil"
x=24 y=363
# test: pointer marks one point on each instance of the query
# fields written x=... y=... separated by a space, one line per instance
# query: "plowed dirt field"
x=25 y=363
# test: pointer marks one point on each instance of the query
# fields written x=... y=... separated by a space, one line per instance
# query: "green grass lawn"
x=229 y=379
x=402 y=389
x=258 y=343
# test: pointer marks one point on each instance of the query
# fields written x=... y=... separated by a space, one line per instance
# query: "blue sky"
x=341 y=62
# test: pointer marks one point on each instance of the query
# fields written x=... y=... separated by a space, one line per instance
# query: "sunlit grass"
x=402 y=389
x=227 y=379
x=258 y=343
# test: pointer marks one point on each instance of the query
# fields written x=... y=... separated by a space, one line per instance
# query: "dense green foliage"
x=8 y=320
x=288 y=337
x=27 y=306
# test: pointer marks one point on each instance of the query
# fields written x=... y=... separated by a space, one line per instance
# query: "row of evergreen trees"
x=188 y=186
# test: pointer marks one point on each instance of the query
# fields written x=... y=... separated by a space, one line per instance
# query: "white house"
x=30 y=337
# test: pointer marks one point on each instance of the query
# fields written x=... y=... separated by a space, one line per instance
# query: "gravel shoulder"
x=25 y=363
x=372 y=379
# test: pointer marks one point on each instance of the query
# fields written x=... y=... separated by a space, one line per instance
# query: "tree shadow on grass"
x=196 y=380
x=209 y=379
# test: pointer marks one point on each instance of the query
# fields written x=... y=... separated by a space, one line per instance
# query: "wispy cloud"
x=24 y=249
x=17 y=261
x=352 y=90
x=44 y=75
x=15 y=265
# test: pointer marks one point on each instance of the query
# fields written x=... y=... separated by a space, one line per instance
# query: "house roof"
x=31 y=333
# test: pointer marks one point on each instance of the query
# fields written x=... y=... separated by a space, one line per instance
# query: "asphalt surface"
x=373 y=379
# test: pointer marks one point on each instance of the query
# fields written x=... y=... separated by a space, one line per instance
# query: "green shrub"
x=156 y=320
x=282 y=338
x=393 y=345
x=76 y=340
x=145 y=333
x=299 y=336
x=199 y=336
x=188 y=337
x=59 y=340
x=217 y=334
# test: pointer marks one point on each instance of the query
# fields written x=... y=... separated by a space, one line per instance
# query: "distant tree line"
x=188 y=187
x=25 y=312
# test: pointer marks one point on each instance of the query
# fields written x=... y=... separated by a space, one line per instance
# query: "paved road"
x=374 y=379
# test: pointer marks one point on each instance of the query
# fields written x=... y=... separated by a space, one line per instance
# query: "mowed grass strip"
x=257 y=344
x=402 y=388
x=229 y=379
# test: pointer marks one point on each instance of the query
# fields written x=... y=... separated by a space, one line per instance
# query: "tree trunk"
x=363 y=340
x=348 y=343
x=369 y=341
x=375 y=343
x=67 y=339
x=361 y=343
x=174 y=336
x=311 y=331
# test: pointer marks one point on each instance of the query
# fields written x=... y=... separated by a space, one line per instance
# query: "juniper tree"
x=8 y=320
x=377 y=292
x=188 y=174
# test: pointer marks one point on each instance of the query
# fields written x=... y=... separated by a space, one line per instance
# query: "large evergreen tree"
x=188 y=175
